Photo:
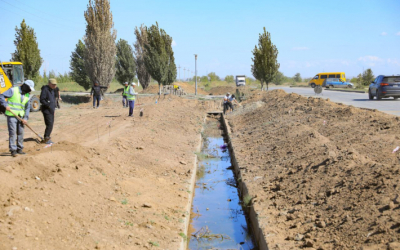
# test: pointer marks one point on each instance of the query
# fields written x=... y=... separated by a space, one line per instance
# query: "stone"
x=320 y=224
x=391 y=205
x=183 y=163
x=309 y=243
x=12 y=210
x=298 y=237
x=112 y=199
x=147 y=205
x=140 y=147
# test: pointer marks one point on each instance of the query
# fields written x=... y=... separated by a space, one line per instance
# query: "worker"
x=232 y=99
x=96 y=93
x=226 y=103
x=48 y=107
x=131 y=98
x=19 y=103
x=124 y=93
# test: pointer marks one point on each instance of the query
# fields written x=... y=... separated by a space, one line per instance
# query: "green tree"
x=204 y=79
x=52 y=74
x=141 y=40
x=100 y=42
x=367 y=77
x=213 y=77
x=297 y=77
x=229 y=78
x=159 y=59
x=265 y=63
x=198 y=79
x=125 y=63
x=279 y=78
x=77 y=66
x=27 y=50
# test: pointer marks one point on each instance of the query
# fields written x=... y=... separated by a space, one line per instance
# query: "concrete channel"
x=220 y=219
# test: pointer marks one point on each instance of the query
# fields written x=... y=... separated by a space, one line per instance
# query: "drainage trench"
x=218 y=220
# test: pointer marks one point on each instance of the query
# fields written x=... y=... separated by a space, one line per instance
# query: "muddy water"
x=218 y=220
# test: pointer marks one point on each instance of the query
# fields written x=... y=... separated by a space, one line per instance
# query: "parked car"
x=384 y=87
x=336 y=83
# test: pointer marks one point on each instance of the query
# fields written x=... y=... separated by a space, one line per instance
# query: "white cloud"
x=398 y=33
x=300 y=48
x=393 y=62
x=383 y=33
x=370 y=60
x=173 y=43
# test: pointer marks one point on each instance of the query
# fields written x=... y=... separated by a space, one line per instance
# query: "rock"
x=140 y=147
x=298 y=237
x=289 y=238
x=391 y=205
x=37 y=178
x=149 y=226
x=12 y=210
x=183 y=163
x=309 y=243
x=320 y=224
x=307 y=235
x=147 y=205
x=112 y=199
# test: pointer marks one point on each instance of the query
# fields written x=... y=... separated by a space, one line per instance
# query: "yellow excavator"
x=12 y=74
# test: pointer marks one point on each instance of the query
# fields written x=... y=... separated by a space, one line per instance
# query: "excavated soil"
x=109 y=182
x=322 y=175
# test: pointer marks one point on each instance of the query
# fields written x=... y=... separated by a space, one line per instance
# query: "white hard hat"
x=133 y=84
x=31 y=84
x=125 y=83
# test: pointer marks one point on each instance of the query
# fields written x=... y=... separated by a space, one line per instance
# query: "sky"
x=311 y=36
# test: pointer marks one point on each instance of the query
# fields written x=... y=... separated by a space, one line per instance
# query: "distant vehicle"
x=336 y=83
x=241 y=80
x=384 y=87
x=319 y=78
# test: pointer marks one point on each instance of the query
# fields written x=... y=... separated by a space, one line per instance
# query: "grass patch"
x=154 y=243
x=124 y=202
x=183 y=236
x=247 y=200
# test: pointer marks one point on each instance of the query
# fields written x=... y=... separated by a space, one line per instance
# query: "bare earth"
x=109 y=182
x=322 y=175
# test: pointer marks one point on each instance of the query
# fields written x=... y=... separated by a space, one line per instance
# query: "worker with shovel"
x=18 y=104
x=48 y=107
x=131 y=98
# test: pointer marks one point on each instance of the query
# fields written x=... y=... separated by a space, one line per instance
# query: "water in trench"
x=218 y=220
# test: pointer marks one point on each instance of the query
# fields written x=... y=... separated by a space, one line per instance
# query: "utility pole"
x=195 y=73
x=184 y=69
x=179 y=72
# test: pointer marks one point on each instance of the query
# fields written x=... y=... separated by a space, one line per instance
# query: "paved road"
x=361 y=100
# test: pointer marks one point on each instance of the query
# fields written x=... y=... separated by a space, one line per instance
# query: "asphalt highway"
x=360 y=100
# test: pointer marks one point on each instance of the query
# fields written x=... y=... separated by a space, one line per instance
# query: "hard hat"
x=133 y=84
x=125 y=83
x=31 y=84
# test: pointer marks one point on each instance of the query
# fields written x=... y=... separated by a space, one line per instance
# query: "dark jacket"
x=97 y=90
x=47 y=99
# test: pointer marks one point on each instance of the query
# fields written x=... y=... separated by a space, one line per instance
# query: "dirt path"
x=110 y=181
x=322 y=175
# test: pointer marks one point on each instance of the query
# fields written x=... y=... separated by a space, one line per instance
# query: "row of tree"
x=98 y=58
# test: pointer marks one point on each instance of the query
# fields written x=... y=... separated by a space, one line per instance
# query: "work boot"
x=47 y=140
x=19 y=151
x=14 y=153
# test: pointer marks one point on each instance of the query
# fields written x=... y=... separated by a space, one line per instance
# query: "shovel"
x=19 y=119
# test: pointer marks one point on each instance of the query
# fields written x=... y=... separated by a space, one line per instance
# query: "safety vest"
x=126 y=90
x=15 y=103
x=130 y=97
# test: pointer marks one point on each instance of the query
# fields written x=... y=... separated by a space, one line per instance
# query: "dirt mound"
x=321 y=174
x=109 y=182
x=152 y=89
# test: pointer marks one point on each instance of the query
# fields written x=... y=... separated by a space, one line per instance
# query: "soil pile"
x=222 y=90
x=188 y=88
x=322 y=175
x=109 y=182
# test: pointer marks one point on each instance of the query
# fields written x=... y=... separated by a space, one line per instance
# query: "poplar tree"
x=77 y=66
x=100 y=42
x=265 y=63
x=125 y=64
x=159 y=59
x=367 y=77
x=140 y=52
x=27 y=50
